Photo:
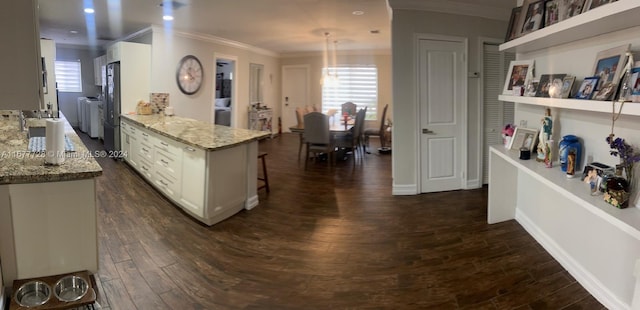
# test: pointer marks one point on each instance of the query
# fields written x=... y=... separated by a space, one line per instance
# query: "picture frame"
x=532 y=87
x=524 y=138
x=605 y=92
x=531 y=17
x=587 y=87
x=519 y=74
x=592 y=4
x=546 y=81
x=551 y=12
x=512 y=31
x=635 y=84
x=609 y=65
x=571 y=8
x=567 y=86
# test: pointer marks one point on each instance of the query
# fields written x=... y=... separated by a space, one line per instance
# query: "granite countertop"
x=196 y=133
x=18 y=165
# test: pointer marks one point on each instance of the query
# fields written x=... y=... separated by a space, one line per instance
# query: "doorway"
x=224 y=103
x=295 y=93
x=442 y=100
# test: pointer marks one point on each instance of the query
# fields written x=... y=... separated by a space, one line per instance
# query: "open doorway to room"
x=224 y=101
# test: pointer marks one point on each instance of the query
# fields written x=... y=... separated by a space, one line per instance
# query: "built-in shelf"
x=629 y=108
x=611 y=17
x=627 y=219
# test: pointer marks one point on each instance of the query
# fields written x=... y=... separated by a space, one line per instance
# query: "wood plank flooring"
x=323 y=238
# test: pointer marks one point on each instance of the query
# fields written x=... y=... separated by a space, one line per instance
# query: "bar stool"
x=264 y=177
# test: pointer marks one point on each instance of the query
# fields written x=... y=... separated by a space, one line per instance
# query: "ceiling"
x=281 y=26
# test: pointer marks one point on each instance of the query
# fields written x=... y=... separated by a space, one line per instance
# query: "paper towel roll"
x=54 y=142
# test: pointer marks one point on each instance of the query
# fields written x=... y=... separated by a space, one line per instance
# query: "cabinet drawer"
x=145 y=168
x=145 y=151
x=167 y=184
x=146 y=137
x=168 y=163
x=169 y=146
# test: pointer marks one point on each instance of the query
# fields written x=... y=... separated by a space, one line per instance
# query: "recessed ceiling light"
x=357 y=13
x=89 y=10
x=167 y=17
x=73 y=32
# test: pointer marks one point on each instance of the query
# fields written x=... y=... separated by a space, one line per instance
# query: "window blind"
x=356 y=84
x=69 y=76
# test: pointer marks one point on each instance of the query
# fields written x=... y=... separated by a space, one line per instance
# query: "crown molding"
x=218 y=40
x=376 y=52
x=454 y=7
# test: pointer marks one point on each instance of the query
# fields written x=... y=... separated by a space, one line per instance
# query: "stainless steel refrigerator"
x=112 y=108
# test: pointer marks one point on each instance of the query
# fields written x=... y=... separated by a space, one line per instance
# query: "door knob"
x=427 y=131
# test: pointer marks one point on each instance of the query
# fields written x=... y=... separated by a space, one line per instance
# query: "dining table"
x=334 y=129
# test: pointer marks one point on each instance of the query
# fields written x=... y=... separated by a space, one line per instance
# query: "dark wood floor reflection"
x=323 y=238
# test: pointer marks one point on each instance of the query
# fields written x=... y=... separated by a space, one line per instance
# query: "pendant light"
x=329 y=77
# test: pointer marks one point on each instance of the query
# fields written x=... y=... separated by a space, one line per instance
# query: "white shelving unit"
x=597 y=243
x=629 y=108
x=614 y=16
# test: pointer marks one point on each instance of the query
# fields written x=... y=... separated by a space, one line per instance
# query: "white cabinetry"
x=597 y=243
x=194 y=184
x=99 y=69
x=135 y=72
x=21 y=85
x=261 y=120
x=209 y=185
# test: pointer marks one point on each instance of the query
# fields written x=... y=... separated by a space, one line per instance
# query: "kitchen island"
x=47 y=212
x=208 y=170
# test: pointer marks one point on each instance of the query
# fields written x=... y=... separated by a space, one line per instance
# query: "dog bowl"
x=34 y=293
x=71 y=288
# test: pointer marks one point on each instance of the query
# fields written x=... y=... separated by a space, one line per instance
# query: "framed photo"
x=546 y=81
x=512 y=31
x=605 y=92
x=592 y=4
x=531 y=18
x=524 y=138
x=551 y=12
x=571 y=8
x=609 y=65
x=567 y=86
x=587 y=87
x=532 y=87
x=635 y=84
x=519 y=74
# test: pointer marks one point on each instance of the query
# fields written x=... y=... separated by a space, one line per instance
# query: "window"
x=356 y=84
x=69 y=76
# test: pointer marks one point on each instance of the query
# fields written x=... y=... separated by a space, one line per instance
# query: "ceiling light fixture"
x=89 y=10
x=167 y=17
x=357 y=13
x=329 y=77
x=73 y=31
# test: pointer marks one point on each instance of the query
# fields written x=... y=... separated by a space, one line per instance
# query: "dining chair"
x=353 y=139
x=349 y=108
x=317 y=136
x=377 y=132
x=300 y=112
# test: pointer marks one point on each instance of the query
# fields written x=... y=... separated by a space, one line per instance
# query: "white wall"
x=167 y=49
x=381 y=59
x=48 y=51
x=405 y=25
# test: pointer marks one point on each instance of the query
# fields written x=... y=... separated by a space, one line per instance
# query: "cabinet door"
x=193 y=180
x=98 y=64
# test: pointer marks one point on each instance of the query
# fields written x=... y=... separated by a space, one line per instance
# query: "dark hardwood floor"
x=323 y=238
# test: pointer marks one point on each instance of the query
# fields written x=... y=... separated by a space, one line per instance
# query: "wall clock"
x=189 y=75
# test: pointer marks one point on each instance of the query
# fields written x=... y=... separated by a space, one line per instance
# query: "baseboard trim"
x=405 y=190
x=473 y=184
x=251 y=202
x=584 y=277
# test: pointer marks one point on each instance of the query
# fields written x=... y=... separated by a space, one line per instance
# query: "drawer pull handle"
x=190 y=149
x=164 y=161
x=145 y=150
x=144 y=134
x=163 y=183
x=164 y=143
x=145 y=168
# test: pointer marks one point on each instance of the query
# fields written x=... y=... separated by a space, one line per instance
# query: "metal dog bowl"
x=71 y=288
x=34 y=293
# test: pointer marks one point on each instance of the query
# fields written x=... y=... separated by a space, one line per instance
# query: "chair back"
x=316 y=128
x=300 y=116
x=384 y=116
x=349 y=108
x=358 y=126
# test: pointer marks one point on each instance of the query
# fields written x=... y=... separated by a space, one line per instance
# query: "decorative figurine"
x=544 y=136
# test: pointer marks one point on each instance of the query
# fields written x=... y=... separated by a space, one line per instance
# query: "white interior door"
x=442 y=105
x=295 y=93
